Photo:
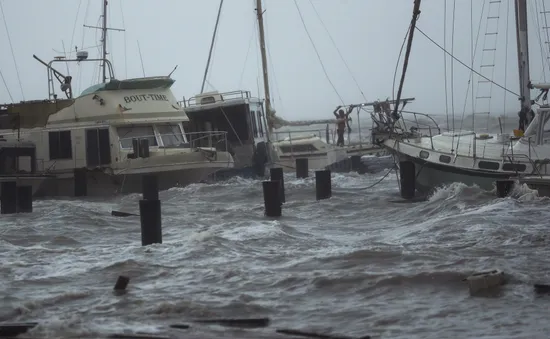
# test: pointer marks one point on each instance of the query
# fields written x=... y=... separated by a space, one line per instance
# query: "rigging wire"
x=247 y=53
x=337 y=49
x=473 y=50
x=82 y=44
x=445 y=60
x=72 y=35
x=452 y=74
x=399 y=59
x=546 y=24
x=316 y=52
x=125 y=40
x=11 y=48
x=270 y=62
x=463 y=64
x=534 y=11
x=506 y=65
x=5 y=84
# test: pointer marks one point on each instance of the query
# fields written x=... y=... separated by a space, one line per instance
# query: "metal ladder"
x=482 y=104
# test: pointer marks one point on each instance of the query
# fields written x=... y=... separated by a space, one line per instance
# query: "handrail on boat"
x=224 y=97
x=194 y=140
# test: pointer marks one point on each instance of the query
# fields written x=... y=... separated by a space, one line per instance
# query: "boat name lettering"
x=145 y=97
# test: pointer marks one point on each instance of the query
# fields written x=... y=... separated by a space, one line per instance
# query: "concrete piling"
x=504 y=187
x=150 y=212
x=24 y=199
x=407 y=174
x=302 y=168
x=276 y=174
x=80 y=182
x=9 y=197
x=272 y=199
x=323 y=184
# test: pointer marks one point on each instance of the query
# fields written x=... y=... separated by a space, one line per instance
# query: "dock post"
x=9 y=197
x=24 y=199
x=150 y=187
x=407 y=173
x=302 y=168
x=150 y=211
x=80 y=182
x=272 y=199
x=323 y=184
x=356 y=164
x=276 y=174
x=504 y=187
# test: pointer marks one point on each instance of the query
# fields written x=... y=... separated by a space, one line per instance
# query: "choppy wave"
x=355 y=264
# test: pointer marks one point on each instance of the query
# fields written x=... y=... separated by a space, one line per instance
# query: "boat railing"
x=410 y=123
x=206 y=139
x=205 y=98
x=328 y=135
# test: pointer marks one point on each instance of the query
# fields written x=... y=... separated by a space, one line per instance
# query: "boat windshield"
x=127 y=133
x=92 y=89
x=170 y=134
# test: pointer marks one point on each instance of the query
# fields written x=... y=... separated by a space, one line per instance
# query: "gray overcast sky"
x=369 y=34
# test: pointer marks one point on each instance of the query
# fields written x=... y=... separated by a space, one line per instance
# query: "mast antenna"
x=104 y=29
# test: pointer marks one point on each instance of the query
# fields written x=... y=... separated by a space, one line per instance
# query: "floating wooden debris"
x=123 y=214
x=248 y=323
x=542 y=288
x=485 y=280
x=121 y=284
x=137 y=336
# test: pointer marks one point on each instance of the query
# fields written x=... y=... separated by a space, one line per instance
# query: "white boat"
x=474 y=158
x=118 y=130
x=319 y=153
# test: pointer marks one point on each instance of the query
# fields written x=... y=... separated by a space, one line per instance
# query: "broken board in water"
x=409 y=201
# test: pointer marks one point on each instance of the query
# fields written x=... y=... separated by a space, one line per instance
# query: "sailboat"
x=114 y=132
x=249 y=122
x=429 y=158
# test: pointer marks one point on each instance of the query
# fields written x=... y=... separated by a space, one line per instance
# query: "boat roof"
x=129 y=84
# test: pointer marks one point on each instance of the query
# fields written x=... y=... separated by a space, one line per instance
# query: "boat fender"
x=485 y=280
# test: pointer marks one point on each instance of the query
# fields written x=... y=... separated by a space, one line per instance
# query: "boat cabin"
x=238 y=114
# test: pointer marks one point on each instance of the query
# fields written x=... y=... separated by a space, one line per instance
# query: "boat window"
x=424 y=154
x=127 y=133
x=298 y=148
x=445 y=158
x=170 y=134
x=254 y=123
x=514 y=167
x=261 y=123
x=490 y=165
x=60 y=144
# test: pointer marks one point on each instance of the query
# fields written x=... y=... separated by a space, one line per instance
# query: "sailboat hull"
x=430 y=176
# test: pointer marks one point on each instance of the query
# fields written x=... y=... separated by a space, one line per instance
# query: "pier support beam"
x=24 y=199
x=272 y=198
x=407 y=174
x=504 y=187
x=302 y=168
x=9 y=197
x=80 y=182
x=150 y=187
x=323 y=184
x=276 y=174
x=150 y=211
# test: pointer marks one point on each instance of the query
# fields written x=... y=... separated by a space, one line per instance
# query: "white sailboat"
x=438 y=158
x=117 y=131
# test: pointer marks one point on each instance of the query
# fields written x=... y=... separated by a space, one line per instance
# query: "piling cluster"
x=274 y=189
x=15 y=199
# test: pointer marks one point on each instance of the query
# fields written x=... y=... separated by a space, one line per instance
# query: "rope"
x=11 y=48
x=379 y=181
x=211 y=46
x=463 y=64
x=5 y=84
x=316 y=52
x=337 y=49
x=399 y=59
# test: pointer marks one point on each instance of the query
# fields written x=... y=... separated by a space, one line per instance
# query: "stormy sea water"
x=360 y=263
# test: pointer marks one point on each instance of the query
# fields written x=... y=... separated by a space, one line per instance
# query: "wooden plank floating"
x=12 y=330
x=246 y=323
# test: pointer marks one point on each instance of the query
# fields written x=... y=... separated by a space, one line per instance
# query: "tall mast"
x=104 y=30
x=104 y=40
x=523 y=54
x=412 y=28
x=269 y=110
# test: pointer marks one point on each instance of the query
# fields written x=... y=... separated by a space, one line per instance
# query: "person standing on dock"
x=341 y=120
